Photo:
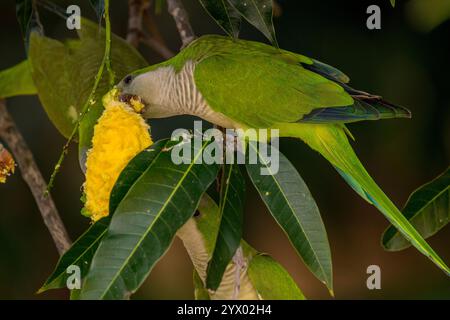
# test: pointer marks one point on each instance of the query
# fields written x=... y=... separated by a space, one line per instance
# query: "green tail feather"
x=331 y=141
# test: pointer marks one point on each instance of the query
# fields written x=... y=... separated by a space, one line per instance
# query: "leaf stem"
x=107 y=56
x=179 y=14
x=136 y=11
x=90 y=100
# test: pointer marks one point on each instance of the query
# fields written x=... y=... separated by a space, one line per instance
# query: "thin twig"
x=179 y=14
x=90 y=100
x=107 y=55
x=33 y=177
x=138 y=13
x=136 y=9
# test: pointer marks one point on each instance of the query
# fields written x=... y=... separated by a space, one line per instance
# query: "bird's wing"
x=258 y=85
x=259 y=90
x=365 y=107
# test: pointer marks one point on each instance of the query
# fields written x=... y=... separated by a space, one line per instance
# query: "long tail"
x=331 y=141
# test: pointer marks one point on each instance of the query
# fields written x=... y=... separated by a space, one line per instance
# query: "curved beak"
x=133 y=101
x=126 y=97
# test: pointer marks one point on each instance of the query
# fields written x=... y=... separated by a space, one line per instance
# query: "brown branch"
x=33 y=178
x=179 y=14
x=136 y=9
x=138 y=12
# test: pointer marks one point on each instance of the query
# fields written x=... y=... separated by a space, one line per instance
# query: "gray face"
x=162 y=91
x=146 y=88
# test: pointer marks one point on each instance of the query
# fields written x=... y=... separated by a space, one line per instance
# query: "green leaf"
x=200 y=292
x=224 y=14
x=393 y=3
x=145 y=222
x=51 y=68
x=80 y=254
x=427 y=209
x=64 y=75
x=271 y=280
x=99 y=7
x=231 y=219
x=291 y=204
x=83 y=249
x=16 y=81
x=259 y=14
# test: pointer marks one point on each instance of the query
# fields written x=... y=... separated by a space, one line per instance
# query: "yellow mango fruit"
x=119 y=135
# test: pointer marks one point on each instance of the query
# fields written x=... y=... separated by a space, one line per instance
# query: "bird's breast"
x=182 y=96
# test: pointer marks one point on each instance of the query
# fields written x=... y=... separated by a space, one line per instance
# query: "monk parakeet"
x=243 y=84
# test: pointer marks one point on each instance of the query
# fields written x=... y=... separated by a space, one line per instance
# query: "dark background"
x=400 y=62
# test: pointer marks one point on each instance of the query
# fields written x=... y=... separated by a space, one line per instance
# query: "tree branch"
x=138 y=13
x=179 y=14
x=33 y=178
x=136 y=9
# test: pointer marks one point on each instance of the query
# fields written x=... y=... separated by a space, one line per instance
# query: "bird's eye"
x=128 y=79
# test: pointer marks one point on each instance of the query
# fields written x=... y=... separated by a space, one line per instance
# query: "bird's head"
x=146 y=88
x=130 y=88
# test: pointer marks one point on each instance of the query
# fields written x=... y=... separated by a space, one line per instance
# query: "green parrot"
x=243 y=84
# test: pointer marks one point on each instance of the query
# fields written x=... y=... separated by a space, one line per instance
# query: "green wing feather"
x=330 y=140
x=258 y=85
